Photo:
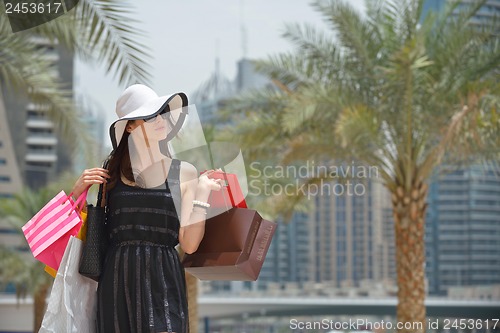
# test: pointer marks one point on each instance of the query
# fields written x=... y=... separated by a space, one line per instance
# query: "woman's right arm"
x=88 y=178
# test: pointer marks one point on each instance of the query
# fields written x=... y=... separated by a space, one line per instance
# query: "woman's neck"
x=149 y=165
x=144 y=152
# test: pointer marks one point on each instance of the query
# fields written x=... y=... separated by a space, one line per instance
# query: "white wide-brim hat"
x=139 y=101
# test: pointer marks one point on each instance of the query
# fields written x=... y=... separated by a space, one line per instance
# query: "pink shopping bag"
x=48 y=232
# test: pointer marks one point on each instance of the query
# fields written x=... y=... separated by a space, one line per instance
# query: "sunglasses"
x=152 y=118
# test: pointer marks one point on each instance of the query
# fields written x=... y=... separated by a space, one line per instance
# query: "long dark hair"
x=119 y=163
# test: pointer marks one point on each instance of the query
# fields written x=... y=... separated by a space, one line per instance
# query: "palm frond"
x=322 y=57
x=287 y=70
x=358 y=41
x=343 y=17
x=108 y=29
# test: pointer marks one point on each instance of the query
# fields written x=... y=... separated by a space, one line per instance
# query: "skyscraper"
x=288 y=259
x=487 y=14
x=40 y=155
x=10 y=177
x=463 y=229
x=462 y=224
x=351 y=237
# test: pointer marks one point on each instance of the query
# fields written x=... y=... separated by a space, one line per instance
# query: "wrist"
x=200 y=210
x=202 y=193
x=77 y=191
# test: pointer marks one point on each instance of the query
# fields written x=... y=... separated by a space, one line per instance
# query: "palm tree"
x=388 y=90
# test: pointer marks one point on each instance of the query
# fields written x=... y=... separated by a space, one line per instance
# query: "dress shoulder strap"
x=175 y=170
x=174 y=183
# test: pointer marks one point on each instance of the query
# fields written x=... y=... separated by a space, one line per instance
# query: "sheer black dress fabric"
x=142 y=288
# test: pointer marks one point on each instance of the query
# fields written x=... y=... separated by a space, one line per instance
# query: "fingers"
x=220 y=182
x=207 y=173
x=96 y=172
x=88 y=178
x=94 y=176
x=217 y=184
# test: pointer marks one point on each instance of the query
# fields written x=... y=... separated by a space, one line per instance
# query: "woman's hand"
x=210 y=184
x=88 y=178
x=207 y=185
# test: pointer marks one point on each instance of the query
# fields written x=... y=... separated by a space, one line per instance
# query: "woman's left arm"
x=192 y=217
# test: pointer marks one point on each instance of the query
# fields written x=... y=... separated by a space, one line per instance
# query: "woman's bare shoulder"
x=187 y=171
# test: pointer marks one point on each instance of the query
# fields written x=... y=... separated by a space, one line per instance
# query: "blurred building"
x=462 y=223
x=10 y=177
x=210 y=96
x=488 y=292
x=92 y=115
x=463 y=229
x=488 y=14
x=351 y=237
x=248 y=78
x=214 y=92
x=288 y=259
x=432 y=5
x=39 y=154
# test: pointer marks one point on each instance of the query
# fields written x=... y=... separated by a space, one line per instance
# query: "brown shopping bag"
x=234 y=246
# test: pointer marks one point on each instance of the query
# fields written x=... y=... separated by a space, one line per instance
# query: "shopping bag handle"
x=229 y=192
x=226 y=184
x=101 y=195
x=76 y=204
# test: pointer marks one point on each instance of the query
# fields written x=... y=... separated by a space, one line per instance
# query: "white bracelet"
x=201 y=204
x=199 y=212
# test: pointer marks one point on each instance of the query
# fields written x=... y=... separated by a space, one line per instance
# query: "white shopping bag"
x=72 y=302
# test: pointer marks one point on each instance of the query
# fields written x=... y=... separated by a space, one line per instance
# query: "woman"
x=142 y=288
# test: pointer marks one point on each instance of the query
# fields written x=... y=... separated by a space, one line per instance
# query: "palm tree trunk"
x=409 y=221
x=192 y=295
x=40 y=305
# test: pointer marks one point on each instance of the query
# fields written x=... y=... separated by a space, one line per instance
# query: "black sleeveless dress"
x=142 y=288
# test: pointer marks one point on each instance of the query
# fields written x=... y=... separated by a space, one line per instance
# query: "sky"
x=185 y=38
